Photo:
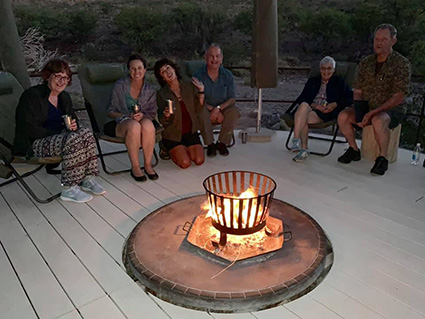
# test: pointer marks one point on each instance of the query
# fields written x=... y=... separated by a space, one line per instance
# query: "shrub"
x=366 y=17
x=417 y=57
x=81 y=23
x=141 y=27
x=326 y=25
x=36 y=56
x=243 y=21
x=196 y=26
x=65 y=23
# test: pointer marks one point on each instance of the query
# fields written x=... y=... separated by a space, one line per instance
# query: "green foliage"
x=140 y=27
x=66 y=23
x=417 y=57
x=288 y=15
x=196 y=26
x=243 y=21
x=326 y=25
x=80 y=23
x=366 y=17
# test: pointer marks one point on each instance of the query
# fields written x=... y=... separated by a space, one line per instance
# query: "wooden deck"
x=64 y=260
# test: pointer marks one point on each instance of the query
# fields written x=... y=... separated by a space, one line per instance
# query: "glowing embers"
x=238 y=207
x=237 y=247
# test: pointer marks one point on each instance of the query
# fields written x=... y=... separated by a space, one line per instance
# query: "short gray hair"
x=328 y=59
x=387 y=26
x=214 y=45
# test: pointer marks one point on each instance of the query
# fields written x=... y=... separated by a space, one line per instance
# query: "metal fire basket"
x=239 y=201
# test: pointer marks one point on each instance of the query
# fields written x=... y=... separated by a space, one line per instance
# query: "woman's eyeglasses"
x=60 y=78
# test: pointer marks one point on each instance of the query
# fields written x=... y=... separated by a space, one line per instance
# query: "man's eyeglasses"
x=60 y=78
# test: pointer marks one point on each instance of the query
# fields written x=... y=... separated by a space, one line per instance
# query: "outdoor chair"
x=97 y=81
x=10 y=92
x=345 y=70
x=189 y=68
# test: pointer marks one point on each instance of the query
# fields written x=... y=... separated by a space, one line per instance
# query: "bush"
x=243 y=21
x=326 y=26
x=81 y=23
x=141 y=27
x=417 y=57
x=196 y=27
x=66 y=23
x=367 y=16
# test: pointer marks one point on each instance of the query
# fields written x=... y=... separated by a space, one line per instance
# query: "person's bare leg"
x=196 y=153
x=312 y=118
x=180 y=156
x=346 y=120
x=131 y=130
x=381 y=131
x=148 y=143
x=300 y=119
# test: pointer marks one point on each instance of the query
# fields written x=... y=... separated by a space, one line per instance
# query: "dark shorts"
x=328 y=117
x=395 y=118
x=187 y=140
x=109 y=128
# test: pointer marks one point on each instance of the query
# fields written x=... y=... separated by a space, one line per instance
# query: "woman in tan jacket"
x=181 y=124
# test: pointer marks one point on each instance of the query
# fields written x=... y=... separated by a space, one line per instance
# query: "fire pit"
x=232 y=258
x=238 y=204
x=239 y=201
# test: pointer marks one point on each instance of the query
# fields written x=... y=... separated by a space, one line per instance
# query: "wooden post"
x=11 y=53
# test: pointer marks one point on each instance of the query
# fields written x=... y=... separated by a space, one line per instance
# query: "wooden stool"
x=370 y=149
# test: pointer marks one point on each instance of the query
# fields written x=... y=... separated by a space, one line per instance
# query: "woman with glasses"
x=41 y=132
x=179 y=106
x=321 y=100
x=133 y=108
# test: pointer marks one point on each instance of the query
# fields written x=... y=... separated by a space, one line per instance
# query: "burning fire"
x=247 y=213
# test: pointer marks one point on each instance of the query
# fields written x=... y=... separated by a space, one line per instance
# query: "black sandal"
x=138 y=178
x=153 y=176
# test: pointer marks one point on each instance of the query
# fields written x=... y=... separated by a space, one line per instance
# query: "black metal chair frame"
x=98 y=136
x=335 y=128
x=41 y=162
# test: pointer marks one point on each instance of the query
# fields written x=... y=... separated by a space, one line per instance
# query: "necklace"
x=176 y=91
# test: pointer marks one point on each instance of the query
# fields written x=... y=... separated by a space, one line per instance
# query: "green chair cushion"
x=10 y=92
x=190 y=67
x=105 y=72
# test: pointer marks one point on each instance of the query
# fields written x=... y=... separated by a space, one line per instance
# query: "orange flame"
x=247 y=214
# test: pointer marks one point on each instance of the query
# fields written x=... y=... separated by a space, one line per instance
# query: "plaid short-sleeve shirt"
x=393 y=77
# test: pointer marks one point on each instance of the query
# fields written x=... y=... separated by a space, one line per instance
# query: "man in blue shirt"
x=219 y=87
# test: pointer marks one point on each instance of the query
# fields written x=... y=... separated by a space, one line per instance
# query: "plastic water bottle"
x=416 y=154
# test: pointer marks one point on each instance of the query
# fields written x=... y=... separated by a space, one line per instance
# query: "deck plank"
x=70 y=315
x=13 y=301
x=68 y=270
x=103 y=308
x=177 y=312
x=95 y=258
x=135 y=303
x=306 y=307
x=32 y=270
x=279 y=312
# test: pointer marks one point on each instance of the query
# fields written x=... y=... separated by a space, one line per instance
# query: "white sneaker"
x=90 y=185
x=301 y=156
x=74 y=194
x=296 y=145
